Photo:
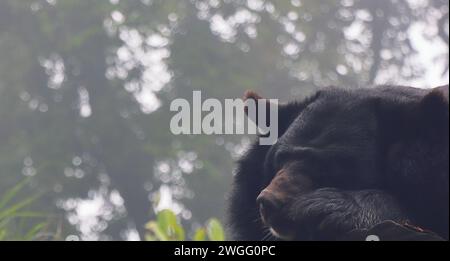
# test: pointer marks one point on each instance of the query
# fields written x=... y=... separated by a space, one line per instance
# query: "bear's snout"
x=276 y=198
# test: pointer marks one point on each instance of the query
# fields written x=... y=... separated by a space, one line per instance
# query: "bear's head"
x=347 y=159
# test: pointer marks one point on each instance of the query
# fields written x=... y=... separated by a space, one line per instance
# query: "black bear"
x=347 y=160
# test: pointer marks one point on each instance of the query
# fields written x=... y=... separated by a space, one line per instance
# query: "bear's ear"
x=251 y=96
x=434 y=108
x=287 y=112
x=436 y=102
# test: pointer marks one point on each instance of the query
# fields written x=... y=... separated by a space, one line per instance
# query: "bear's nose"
x=269 y=207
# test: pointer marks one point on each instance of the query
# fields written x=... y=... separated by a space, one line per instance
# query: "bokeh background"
x=85 y=89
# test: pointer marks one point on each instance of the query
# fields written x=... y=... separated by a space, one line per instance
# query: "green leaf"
x=157 y=232
x=168 y=228
x=34 y=232
x=12 y=211
x=168 y=223
x=3 y=234
x=179 y=233
x=10 y=194
x=200 y=235
x=14 y=216
x=167 y=220
x=150 y=238
x=215 y=230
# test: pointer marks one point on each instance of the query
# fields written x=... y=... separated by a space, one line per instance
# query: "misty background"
x=85 y=90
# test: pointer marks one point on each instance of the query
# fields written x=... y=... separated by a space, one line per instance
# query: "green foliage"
x=17 y=222
x=215 y=230
x=166 y=227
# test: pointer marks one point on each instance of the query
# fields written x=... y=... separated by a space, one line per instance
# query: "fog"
x=86 y=86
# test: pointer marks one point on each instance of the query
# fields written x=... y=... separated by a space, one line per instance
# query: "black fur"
x=372 y=154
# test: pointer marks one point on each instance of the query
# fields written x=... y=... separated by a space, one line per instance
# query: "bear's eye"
x=294 y=154
x=281 y=158
x=269 y=165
